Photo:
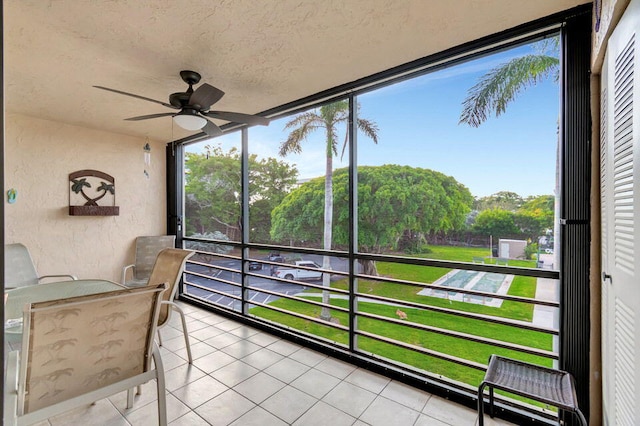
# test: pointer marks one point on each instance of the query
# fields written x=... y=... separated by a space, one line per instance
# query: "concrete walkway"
x=547 y=289
x=546 y=316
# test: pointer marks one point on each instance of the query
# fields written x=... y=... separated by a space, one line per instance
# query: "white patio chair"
x=19 y=269
x=168 y=268
x=147 y=249
x=79 y=350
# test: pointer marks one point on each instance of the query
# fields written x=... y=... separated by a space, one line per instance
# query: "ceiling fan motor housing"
x=179 y=99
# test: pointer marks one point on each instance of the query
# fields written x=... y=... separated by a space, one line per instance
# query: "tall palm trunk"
x=328 y=117
x=325 y=313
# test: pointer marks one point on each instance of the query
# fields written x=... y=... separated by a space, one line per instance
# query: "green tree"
x=531 y=216
x=495 y=222
x=392 y=201
x=503 y=200
x=501 y=85
x=327 y=117
x=213 y=188
x=535 y=216
x=529 y=225
x=538 y=202
x=270 y=180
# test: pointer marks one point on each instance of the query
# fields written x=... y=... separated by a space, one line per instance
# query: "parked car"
x=300 y=274
x=275 y=256
x=255 y=266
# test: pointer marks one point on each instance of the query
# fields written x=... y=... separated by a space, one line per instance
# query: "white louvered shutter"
x=620 y=197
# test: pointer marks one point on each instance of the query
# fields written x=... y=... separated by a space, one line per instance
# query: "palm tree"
x=497 y=88
x=327 y=117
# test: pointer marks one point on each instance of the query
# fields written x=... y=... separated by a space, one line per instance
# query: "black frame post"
x=244 y=224
x=353 y=219
x=175 y=191
x=575 y=206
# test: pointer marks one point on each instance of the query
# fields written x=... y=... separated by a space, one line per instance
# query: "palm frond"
x=332 y=143
x=293 y=144
x=368 y=127
x=305 y=117
x=500 y=86
x=335 y=111
x=547 y=46
x=344 y=144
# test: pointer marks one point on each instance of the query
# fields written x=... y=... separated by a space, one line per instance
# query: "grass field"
x=521 y=286
x=461 y=348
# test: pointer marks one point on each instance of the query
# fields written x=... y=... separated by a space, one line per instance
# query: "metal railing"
x=292 y=305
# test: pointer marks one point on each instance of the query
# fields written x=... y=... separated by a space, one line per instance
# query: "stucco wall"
x=39 y=155
x=606 y=14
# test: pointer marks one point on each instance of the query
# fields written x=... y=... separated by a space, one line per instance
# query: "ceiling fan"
x=194 y=107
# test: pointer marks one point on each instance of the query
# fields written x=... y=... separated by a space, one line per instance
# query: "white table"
x=19 y=297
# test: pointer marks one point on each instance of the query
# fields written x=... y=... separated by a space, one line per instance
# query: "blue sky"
x=418 y=126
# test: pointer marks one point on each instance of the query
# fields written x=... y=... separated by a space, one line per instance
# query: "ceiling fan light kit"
x=189 y=120
x=194 y=107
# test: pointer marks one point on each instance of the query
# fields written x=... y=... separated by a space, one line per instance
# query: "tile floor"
x=242 y=376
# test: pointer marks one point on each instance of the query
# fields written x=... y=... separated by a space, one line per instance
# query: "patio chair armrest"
x=171 y=304
x=124 y=272
x=72 y=277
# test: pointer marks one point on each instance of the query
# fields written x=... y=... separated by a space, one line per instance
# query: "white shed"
x=511 y=249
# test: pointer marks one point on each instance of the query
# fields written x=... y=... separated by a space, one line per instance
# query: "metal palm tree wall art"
x=83 y=199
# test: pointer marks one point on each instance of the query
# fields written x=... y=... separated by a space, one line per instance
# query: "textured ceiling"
x=262 y=53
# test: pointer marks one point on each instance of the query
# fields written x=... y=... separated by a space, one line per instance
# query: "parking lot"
x=262 y=280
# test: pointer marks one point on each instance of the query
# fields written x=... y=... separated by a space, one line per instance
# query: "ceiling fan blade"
x=146 y=117
x=136 y=96
x=205 y=96
x=211 y=129
x=238 y=117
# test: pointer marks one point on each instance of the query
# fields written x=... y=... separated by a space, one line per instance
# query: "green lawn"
x=521 y=286
x=449 y=345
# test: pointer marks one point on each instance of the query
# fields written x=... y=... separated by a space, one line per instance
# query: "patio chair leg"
x=161 y=386
x=491 y=401
x=130 y=395
x=159 y=338
x=184 y=331
x=481 y=404
x=583 y=421
x=129 y=398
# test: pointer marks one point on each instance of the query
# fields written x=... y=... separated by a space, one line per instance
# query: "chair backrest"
x=147 y=249
x=19 y=270
x=77 y=345
x=168 y=269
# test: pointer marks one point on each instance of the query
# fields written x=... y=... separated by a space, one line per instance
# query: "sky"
x=418 y=126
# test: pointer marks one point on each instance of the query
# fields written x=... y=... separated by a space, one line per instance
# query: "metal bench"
x=547 y=385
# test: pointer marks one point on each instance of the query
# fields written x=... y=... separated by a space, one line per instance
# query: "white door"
x=620 y=196
x=504 y=250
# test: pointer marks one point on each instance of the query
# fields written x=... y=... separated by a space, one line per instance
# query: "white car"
x=300 y=274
